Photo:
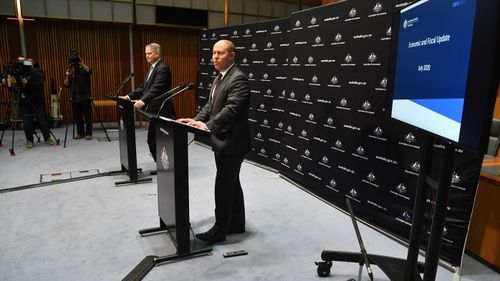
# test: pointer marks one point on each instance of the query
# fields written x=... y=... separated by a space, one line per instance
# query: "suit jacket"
x=226 y=114
x=158 y=84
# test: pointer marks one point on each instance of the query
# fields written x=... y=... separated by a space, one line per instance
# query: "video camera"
x=74 y=59
x=16 y=69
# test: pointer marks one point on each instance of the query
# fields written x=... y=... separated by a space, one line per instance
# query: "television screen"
x=444 y=68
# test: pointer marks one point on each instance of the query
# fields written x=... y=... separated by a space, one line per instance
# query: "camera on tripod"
x=74 y=59
x=13 y=71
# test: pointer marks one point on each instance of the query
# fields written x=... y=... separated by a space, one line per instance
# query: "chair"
x=494 y=141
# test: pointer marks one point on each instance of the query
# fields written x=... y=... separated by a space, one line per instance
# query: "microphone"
x=123 y=83
x=188 y=87
x=162 y=96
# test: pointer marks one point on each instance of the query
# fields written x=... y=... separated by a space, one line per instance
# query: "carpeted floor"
x=87 y=228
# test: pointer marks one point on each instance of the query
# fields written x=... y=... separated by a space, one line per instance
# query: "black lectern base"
x=131 y=181
x=141 y=180
x=394 y=268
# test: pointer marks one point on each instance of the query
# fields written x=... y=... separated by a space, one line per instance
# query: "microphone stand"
x=147 y=115
x=169 y=92
x=188 y=87
x=123 y=83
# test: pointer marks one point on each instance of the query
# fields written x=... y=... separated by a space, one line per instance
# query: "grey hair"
x=155 y=47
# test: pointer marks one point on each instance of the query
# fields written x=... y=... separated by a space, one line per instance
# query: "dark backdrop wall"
x=318 y=94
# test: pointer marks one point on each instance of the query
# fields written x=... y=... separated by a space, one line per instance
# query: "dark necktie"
x=216 y=85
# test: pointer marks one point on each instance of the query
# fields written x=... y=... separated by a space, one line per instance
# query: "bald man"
x=226 y=116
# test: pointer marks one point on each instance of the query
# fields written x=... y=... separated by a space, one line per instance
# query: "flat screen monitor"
x=444 y=68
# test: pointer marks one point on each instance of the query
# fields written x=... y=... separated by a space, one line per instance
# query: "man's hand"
x=194 y=123
x=124 y=97
x=138 y=104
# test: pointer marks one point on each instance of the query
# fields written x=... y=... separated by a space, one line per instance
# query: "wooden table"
x=483 y=240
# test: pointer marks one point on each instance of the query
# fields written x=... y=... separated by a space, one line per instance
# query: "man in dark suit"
x=158 y=81
x=226 y=116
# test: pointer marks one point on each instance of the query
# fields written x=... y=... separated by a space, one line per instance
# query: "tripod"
x=98 y=117
x=13 y=116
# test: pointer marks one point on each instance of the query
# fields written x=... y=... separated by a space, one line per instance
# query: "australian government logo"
x=407 y=23
x=337 y=40
x=382 y=86
x=334 y=82
x=387 y=34
x=307 y=99
x=360 y=153
x=310 y=61
x=248 y=33
x=410 y=140
x=272 y=62
x=414 y=168
x=338 y=146
x=325 y=162
x=343 y=103
x=313 y=23
x=277 y=157
x=165 y=163
x=262 y=152
x=297 y=25
x=284 y=162
x=269 y=47
x=400 y=191
x=314 y=81
x=276 y=30
x=348 y=61
x=332 y=184
x=269 y=93
x=372 y=60
x=298 y=169
x=303 y=135
x=265 y=123
x=306 y=154
x=317 y=42
x=405 y=218
x=265 y=78
x=279 y=127
x=310 y=119
x=378 y=134
x=329 y=123
x=456 y=180
x=352 y=15
x=366 y=108
x=353 y=194
x=377 y=10
x=258 y=137
x=371 y=179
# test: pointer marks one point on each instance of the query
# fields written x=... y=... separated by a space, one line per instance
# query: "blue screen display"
x=432 y=64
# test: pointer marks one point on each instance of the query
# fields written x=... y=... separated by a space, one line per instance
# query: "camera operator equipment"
x=27 y=87
x=78 y=81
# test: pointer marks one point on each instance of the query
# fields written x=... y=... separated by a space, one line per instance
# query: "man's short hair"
x=155 y=47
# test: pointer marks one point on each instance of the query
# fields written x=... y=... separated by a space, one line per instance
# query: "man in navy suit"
x=158 y=81
x=226 y=116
